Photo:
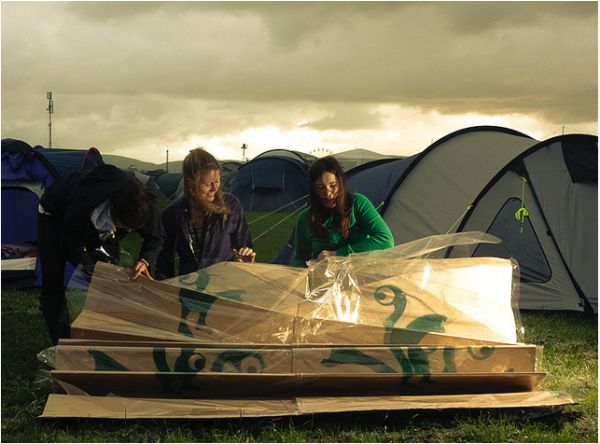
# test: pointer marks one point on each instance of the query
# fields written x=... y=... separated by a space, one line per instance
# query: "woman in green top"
x=336 y=223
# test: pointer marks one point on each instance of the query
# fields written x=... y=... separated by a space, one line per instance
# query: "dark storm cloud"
x=128 y=67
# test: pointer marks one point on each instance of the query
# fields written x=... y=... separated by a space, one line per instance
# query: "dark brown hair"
x=134 y=204
x=318 y=213
x=197 y=163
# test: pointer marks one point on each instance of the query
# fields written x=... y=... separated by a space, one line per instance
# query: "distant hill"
x=360 y=153
x=125 y=162
x=352 y=158
x=174 y=166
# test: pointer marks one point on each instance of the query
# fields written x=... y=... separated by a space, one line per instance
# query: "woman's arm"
x=241 y=236
x=302 y=244
x=153 y=234
x=75 y=228
x=165 y=262
x=377 y=234
x=241 y=239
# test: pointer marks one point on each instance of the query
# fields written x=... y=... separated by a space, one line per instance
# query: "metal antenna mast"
x=50 y=110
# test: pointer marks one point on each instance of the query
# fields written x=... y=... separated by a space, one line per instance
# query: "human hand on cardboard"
x=140 y=268
x=325 y=254
x=244 y=254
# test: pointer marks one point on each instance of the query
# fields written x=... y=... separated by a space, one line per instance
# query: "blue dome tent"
x=26 y=173
x=276 y=179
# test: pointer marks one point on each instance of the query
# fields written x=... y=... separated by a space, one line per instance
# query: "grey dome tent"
x=482 y=178
x=556 y=184
x=478 y=178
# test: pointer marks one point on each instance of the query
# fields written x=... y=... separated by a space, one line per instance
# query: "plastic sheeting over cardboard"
x=394 y=322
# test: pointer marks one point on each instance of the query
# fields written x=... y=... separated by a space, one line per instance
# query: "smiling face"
x=327 y=189
x=207 y=186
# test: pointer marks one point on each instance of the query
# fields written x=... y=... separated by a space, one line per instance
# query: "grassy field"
x=570 y=357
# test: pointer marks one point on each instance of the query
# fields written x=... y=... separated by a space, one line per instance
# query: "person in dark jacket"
x=82 y=212
x=205 y=225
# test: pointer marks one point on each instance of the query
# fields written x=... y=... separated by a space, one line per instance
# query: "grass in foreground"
x=570 y=358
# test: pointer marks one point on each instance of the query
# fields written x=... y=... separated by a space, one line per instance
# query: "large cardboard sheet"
x=115 y=407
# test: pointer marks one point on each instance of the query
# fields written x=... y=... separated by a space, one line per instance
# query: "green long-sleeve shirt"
x=367 y=232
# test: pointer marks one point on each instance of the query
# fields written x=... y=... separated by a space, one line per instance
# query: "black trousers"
x=52 y=299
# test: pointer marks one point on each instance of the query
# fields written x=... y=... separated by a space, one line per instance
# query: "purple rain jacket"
x=222 y=236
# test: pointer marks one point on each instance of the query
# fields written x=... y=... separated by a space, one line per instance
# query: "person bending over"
x=336 y=222
x=82 y=212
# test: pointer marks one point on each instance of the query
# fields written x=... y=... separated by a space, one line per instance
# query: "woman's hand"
x=325 y=254
x=244 y=254
x=140 y=268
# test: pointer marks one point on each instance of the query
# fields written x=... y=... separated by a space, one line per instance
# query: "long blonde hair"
x=196 y=164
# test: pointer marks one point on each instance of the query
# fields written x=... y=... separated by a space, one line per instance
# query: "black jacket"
x=72 y=200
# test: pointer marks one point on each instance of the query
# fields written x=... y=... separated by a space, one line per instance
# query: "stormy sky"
x=136 y=78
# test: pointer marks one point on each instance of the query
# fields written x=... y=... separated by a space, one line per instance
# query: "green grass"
x=570 y=357
x=270 y=232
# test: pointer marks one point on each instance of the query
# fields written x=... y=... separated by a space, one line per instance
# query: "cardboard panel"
x=73 y=406
x=190 y=384
x=323 y=360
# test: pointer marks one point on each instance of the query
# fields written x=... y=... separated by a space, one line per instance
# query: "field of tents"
x=538 y=197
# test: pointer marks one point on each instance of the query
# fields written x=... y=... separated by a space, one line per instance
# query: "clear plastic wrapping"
x=345 y=323
x=403 y=287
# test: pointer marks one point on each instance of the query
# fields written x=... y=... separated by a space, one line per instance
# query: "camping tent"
x=477 y=179
x=169 y=185
x=146 y=179
x=556 y=184
x=275 y=179
x=229 y=169
x=481 y=178
x=387 y=171
x=26 y=173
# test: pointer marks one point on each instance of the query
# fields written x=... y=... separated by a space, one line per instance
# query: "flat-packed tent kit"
x=385 y=330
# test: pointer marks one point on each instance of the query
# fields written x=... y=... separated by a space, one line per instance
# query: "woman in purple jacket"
x=204 y=226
